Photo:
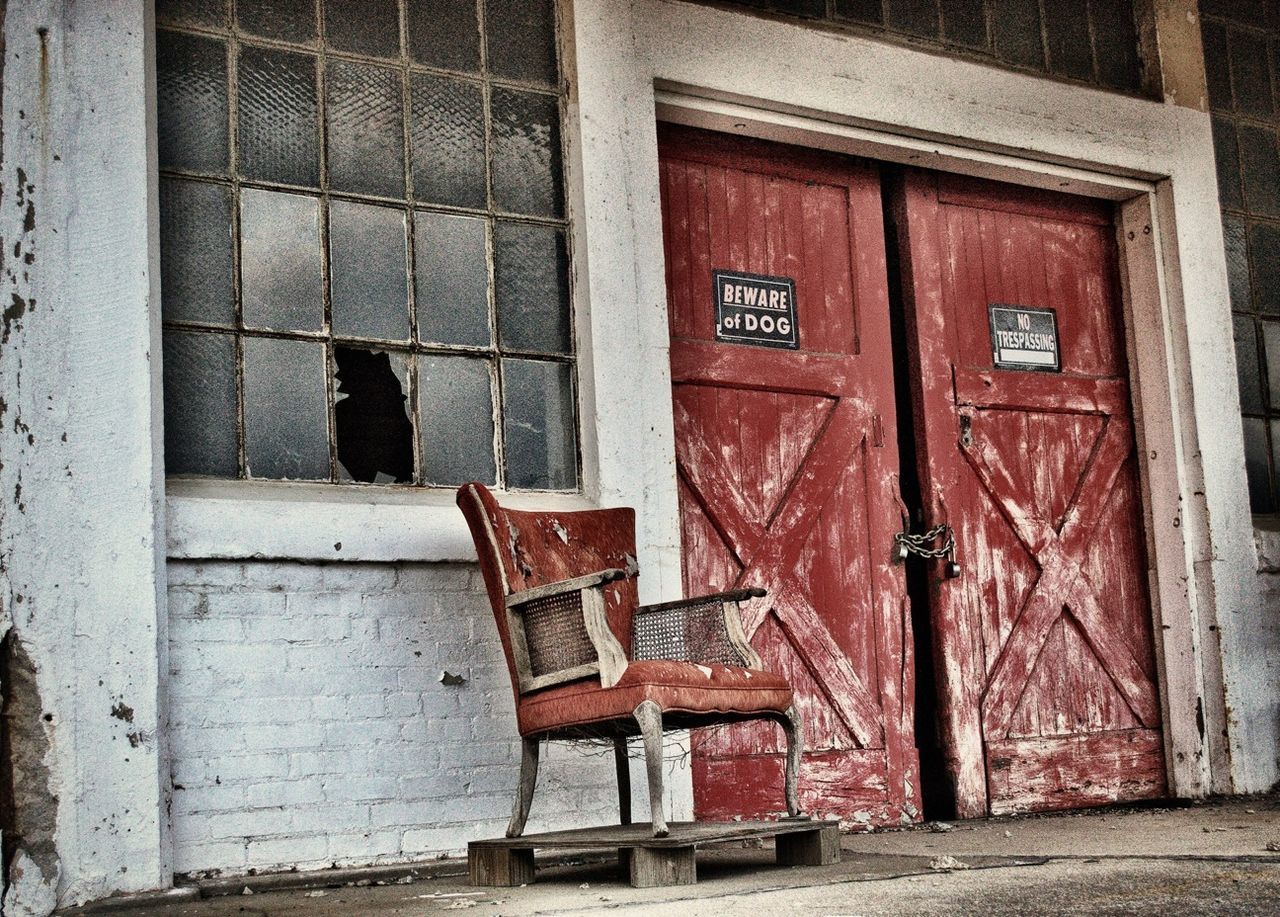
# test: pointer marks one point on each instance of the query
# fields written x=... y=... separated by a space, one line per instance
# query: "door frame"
x=640 y=61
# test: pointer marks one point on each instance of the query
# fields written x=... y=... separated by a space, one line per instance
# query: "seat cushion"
x=676 y=687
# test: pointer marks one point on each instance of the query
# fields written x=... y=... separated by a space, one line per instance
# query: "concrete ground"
x=1219 y=858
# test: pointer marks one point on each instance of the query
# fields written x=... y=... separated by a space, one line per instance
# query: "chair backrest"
x=521 y=549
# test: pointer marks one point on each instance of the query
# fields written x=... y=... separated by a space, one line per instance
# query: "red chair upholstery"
x=586 y=660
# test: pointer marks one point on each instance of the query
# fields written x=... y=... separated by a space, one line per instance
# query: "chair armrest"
x=569 y=585
x=560 y=632
x=703 y=629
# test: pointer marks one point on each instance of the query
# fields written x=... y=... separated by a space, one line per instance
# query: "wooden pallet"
x=653 y=861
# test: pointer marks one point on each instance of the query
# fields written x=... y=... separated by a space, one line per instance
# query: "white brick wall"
x=310 y=727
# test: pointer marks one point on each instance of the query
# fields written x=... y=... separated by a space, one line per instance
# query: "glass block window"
x=1087 y=41
x=364 y=255
x=1241 y=53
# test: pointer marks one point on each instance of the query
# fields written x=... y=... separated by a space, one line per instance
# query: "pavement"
x=1216 y=858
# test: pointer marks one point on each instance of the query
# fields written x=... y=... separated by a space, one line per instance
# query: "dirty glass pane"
x=452 y=279
x=1227 y=154
x=868 y=11
x=1216 y=68
x=368 y=270
x=369 y=27
x=278 y=138
x=1248 y=372
x=281 y=283
x=526 y=152
x=445 y=34
x=1015 y=26
x=283 y=20
x=522 y=40
x=1261 y=168
x=530 y=267
x=1237 y=245
x=193 y=12
x=455 y=398
x=200 y=404
x=1116 y=42
x=1271 y=351
x=446 y=133
x=371 y=416
x=191 y=102
x=918 y=17
x=1067 y=29
x=196 y=268
x=365 y=121
x=1264 y=252
x=965 y=22
x=1257 y=464
x=538 y=423
x=285 y=421
x=1251 y=75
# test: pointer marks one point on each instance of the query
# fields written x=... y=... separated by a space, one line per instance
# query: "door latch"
x=966 y=430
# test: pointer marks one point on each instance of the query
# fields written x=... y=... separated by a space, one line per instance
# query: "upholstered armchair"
x=587 y=661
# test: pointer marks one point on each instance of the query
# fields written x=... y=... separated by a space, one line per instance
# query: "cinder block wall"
x=310 y=726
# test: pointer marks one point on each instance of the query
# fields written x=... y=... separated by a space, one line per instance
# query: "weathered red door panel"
x=1043 y=645
x=787 y=463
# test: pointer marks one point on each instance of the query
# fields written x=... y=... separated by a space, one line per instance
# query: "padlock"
x=903 y=552
x=952 y=570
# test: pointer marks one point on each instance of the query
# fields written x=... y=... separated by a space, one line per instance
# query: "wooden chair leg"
x=793 y=726
x=524 y=791
x=649 y=716
x=623 y=766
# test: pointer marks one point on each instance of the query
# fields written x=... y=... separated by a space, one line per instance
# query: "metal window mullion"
x=495 y=358
x=233 y=175
x=326 y=267
x=410 y=267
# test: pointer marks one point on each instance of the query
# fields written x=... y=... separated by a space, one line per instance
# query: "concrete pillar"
x=1169 y=31
x=81 y=526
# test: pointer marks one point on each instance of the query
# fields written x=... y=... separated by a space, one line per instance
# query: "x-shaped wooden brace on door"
x=769 y=555
x=1062 y=580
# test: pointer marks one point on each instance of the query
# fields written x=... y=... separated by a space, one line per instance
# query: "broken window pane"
x=284 y=20
x=456 y=406
x=196 y=268
x=531 y=281
x=191 y=102
x=445 y=34
x=369 y=27
x=365 y=115
x=282 y=286
x=526 y=152
x=278 y=123
x=369 y=287
x=285 y=422
x=200 y=404
x=446 y=134
x=522 y=40
x=452 y=279
x=371 y=416
x=538 y=423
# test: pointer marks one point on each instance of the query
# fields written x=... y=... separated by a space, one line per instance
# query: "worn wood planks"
x=653 y=861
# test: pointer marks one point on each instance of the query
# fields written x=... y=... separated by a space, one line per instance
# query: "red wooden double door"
x=787 y=445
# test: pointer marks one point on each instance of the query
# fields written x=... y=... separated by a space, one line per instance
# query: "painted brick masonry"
x=310 y=725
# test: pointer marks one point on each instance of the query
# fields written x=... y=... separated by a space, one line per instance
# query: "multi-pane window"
x=1090 y=41
x=363 y=242
x=1241 y=47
